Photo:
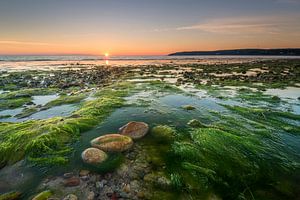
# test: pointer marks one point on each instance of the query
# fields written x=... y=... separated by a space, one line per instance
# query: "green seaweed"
x=65 y=99
x=163 y=133
x=222 y=160
x=47 y=142
x=26 y=112
x=10 y=196
x=16 y=99
x=43 y=195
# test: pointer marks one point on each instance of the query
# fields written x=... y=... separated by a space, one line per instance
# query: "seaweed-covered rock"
x=163 y=132
x=112 y=143
x=196 y=124
x=43 y=195
x=158 y=179
x=10 y=196
x=135 y=130
x=93 y=156
x=188 y=107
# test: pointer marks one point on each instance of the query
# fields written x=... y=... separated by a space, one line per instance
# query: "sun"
x=106 y=54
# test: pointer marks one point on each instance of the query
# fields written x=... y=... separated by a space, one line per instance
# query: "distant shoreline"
x=242 y=52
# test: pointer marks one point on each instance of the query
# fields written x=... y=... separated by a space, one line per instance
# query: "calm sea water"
x=12 y=63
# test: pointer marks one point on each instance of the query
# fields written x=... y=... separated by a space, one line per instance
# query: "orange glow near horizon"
x=143 y=44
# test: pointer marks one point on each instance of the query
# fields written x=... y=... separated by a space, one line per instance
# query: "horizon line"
x=162 y=54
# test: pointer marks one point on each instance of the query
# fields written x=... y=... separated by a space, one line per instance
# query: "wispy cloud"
x=80 y=35
x=243 y=25
x=287 y=1
x=232 y=26
x=13 y=42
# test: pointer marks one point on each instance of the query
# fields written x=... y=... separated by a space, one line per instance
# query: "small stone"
x=188 y=107
x=135 y=185
x=135 y=130
x=84 y=178
x=101 y=184
x=93 y=156
x=91 y=196
x=71 y=197
x=126 y=188
x=122 y=195
x=140 y=194
x=68 y=175
x=73 y=181
x=98 y=185
x=84 y=172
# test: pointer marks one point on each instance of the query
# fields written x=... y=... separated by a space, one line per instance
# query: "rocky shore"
x=194 y=153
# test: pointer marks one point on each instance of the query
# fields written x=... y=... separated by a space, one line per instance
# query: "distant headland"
x=242 y=52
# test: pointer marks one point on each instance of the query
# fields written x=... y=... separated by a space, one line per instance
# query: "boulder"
x=163 y=132
x=135 y=130
x=112 y=143
x=93 y=156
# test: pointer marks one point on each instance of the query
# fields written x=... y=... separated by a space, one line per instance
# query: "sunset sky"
x=145 y=27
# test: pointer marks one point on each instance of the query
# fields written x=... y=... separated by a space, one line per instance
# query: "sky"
x=145 y=27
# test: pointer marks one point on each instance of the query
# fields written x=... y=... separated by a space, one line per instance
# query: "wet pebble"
x=73 y=181
x=71 y=197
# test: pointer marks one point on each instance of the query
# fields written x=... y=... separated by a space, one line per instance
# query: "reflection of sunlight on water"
x=107 y=62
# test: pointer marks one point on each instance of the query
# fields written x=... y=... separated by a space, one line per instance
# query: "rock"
x=276 y=98
x=163 y=132
x=93 y=156
x=140 y=194
x=126 y=188
x=84 y=178
x=10 y=196
x=135 y=130
x=73 y=181
x=135 y=185
x=101 y=184
x=112 y=143
x=194 y=123
x=158 y=179
x=84 y=172
x=68 y=175
x=91 y=196
x=123 y=195
x=188 y=107
x=43 y=195
x=71 y=197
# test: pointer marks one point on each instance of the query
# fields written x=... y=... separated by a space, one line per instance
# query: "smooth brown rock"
x=112 y=143
x=93 y=156
x=74 y=181
x=135 y=130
